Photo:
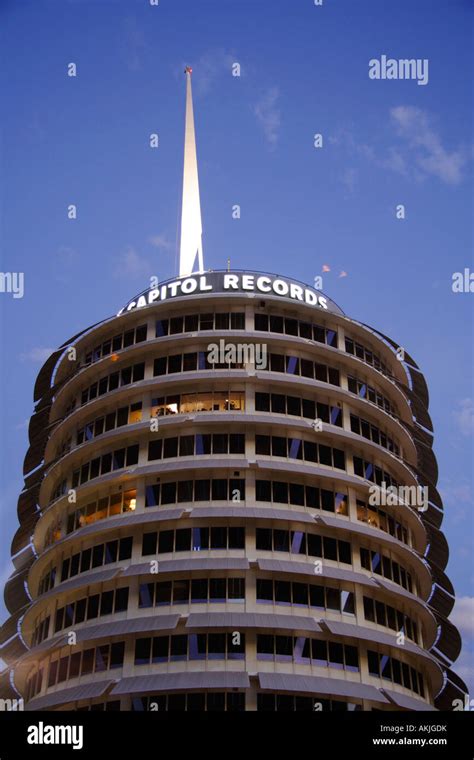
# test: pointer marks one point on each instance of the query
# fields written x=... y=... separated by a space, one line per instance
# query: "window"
x=175 y=364
x=163 y=593
x=159 y=367
x=189 y=362
x=142 y=651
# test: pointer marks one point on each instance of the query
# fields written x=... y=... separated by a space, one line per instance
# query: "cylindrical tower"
x=222 y=512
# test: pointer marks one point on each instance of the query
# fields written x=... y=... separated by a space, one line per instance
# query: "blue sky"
x=304 y=70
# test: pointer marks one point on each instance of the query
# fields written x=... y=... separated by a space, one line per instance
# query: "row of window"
x=234 y=701
x=125 y=376
x=189 y=491
x=109 y=346
x=192 y=362
x=304 y=595
x=190 y=403
x=99 y=509
x=292 y=365
x=203 y=539
x=266 y=490
x=75 y=664
x=371 y=472
x=381 y=565
x=217 y=489
x=195 y=591
x=91 y=607
x=373 y=433
x=210 y=701
x=380 y=519
x=192 y=539
x=194 y=322
x=193 y=646
x=231 y=646
x=196 y=445
x=47 y=581
x=384 y=614
x=304 y=650
x=280 y=492
x=287 y=326
x=308 y=544
x=278 y=403
x=393 y=670
x=293 y=448
x=366 y=354
x=297 y=448
x=95 y=660
x=270 y=702
x=41 y=631
x=363 y=390
x=113 y=460
x=125 y=415
x=97 y=556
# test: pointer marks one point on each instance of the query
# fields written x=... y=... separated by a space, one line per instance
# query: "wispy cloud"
x=161 y=242
x=395 y=161
x=464 y=416
x=428 y=154
x=268 y=115
x=418 y=153
x=37 y=355
x=131 y=264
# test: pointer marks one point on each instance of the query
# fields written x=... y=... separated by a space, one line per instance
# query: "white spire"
x=191 y=224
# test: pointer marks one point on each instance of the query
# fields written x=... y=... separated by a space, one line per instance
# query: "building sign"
x=233 y=282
